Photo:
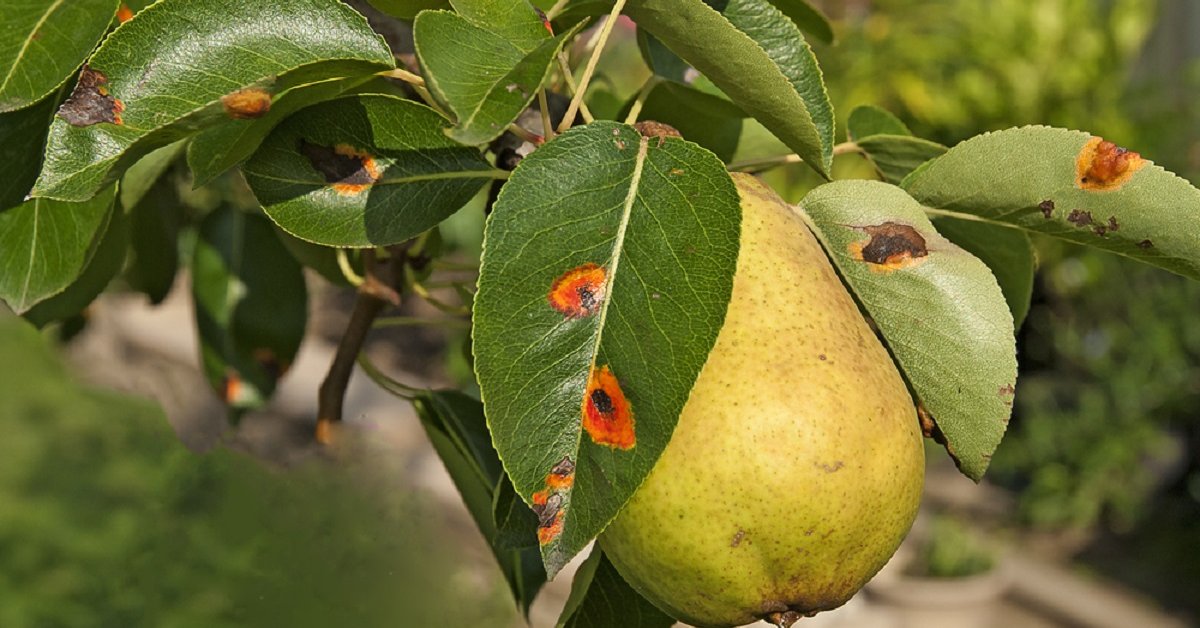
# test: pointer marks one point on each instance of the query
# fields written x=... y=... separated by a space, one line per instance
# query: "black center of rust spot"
x=90 y=103
x=1079 y=217
x=335 y=166
x=547 y=512
x=1047 y=207
x=893 y=242
x=587 y=298
x=563 y=467
x=602 y=401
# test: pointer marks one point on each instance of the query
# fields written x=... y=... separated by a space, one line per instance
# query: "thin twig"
x=766 y=163
x=411 y=78
x=569 y=77
x=601 y=40
x=526 y=134
x=415 y=321
x=547 y=124
x=640 y=101
x=556 y=10
x=429 y=100
x=343 y=260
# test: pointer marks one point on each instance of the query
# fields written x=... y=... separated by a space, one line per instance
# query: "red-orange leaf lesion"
x=550 y=503
x=348 y=170
x=579 y=292
x=1104 y=166
x=124 y=13
x=607 y=414
x=247 y=104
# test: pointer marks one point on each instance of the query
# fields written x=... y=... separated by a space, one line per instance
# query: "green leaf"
x=322 y=259
x=182 y=66
x=251 y=306
x=382 y=174
x=939 y=309
x=515 y=21
x=216 y=150
x=45 y=245
x=42 y=43
x=1030 y=178
x=104 y=265
x=1007 y=252
x=808 y=17
x=484 y=79
x=895 y=156
x=408 y=9
x=516 y=523
x=154 y=225
x=759 y=58
x=600 y=598
x=22 y=140
x=712 y=122
x=455 y=425
x=143 y=175
x=868 y=120
x=602 y=289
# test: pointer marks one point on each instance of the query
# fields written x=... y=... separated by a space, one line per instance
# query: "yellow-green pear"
x=797 y=464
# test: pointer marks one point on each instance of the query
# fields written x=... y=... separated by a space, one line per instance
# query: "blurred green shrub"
x=951 y=549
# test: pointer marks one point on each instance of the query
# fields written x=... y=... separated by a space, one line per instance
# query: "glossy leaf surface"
x=938 y=307
x=383 y=173
x=104 y=265
x=43 y=42
x=607 y=267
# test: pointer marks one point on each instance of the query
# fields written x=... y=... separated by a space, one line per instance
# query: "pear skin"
x=797 y=464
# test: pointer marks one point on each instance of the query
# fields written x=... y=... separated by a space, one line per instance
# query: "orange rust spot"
x=247 y=104
x=551 y=530
x=579 y=291
x=124 y=13
x=231 y=388
x=1104 y=166
x=348 y=171
x=550 y=503
x=607 y=415
x=891 y=246
x=90 y=103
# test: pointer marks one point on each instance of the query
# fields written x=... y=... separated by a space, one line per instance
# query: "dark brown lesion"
x=347 y=170
x=90 y=103
x=1080 y=218
x=892 y=243
x=654 y=129
x=1047 y=207
x=564 y=467
x=602 y=402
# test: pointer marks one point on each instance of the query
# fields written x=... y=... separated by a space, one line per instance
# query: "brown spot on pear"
x=762 y=410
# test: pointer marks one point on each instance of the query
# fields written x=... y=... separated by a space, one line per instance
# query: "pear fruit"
x=797 y=464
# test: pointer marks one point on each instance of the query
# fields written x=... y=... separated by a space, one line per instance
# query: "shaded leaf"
x=154 y=225
x=868 y=120
x=322 y=259
x=45 y=245
x=712 y=122
x=251 y=306
x=143 y=175
x=759 y=58
x=516 y=523
x=895 y=156
x=383 y=174
x=938 y=308
x=104 y=265
x=601 y=292
x=43 y=42
x=1007 y=252
x=455 y=425
x=408 y=9
x=600 y=598
x=808 y=17
x=1047 y=180
x=182 y=66
x=483 y=79
x=22 y=139
x=228 y=144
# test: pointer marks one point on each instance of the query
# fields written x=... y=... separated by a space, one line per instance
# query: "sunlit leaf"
x=104 y=265
x=1007 y=252
x=808 y=17
x=601 y=291
x=42 y=43
x=868 y=120
x=938 y=307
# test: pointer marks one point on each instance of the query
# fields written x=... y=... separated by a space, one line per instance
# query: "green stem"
x=569 y=77
x=343 y=260
x=605 y=31
x=400 y=389
x=766 y=163
x=640 y=101
x=544 y=106
x=413 y=321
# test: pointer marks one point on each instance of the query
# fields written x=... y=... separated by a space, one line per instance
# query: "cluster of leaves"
x=610 y=248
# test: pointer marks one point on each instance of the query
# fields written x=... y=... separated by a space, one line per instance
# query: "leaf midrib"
x=28 y=40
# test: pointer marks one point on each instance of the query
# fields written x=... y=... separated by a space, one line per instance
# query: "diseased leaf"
x=600 y=598
x=45 y=245
x=712 y=122
x=484 y=79
x=808 y=17
x=42 y=43
x=1070 y=185
x=22 y=140
x=251 y=306
x=182 y=66
x=601 y=292
x=868 y=120
x=455 y=425
x=382 y=174
x=938 y=307
x=894 y=156
x=1007 y=252
x=757 y=56
x=104 y=265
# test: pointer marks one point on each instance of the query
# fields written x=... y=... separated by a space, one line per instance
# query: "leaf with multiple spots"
x=486 y=63
x=45 y=245
x=251 y=306
x=757 y=56
x=607 y=267
x=938 y=307
x=600 y=598
x=381 y=174
x=43 y=42
x=182 y=66
x=1070 y=185
x=455 y=425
